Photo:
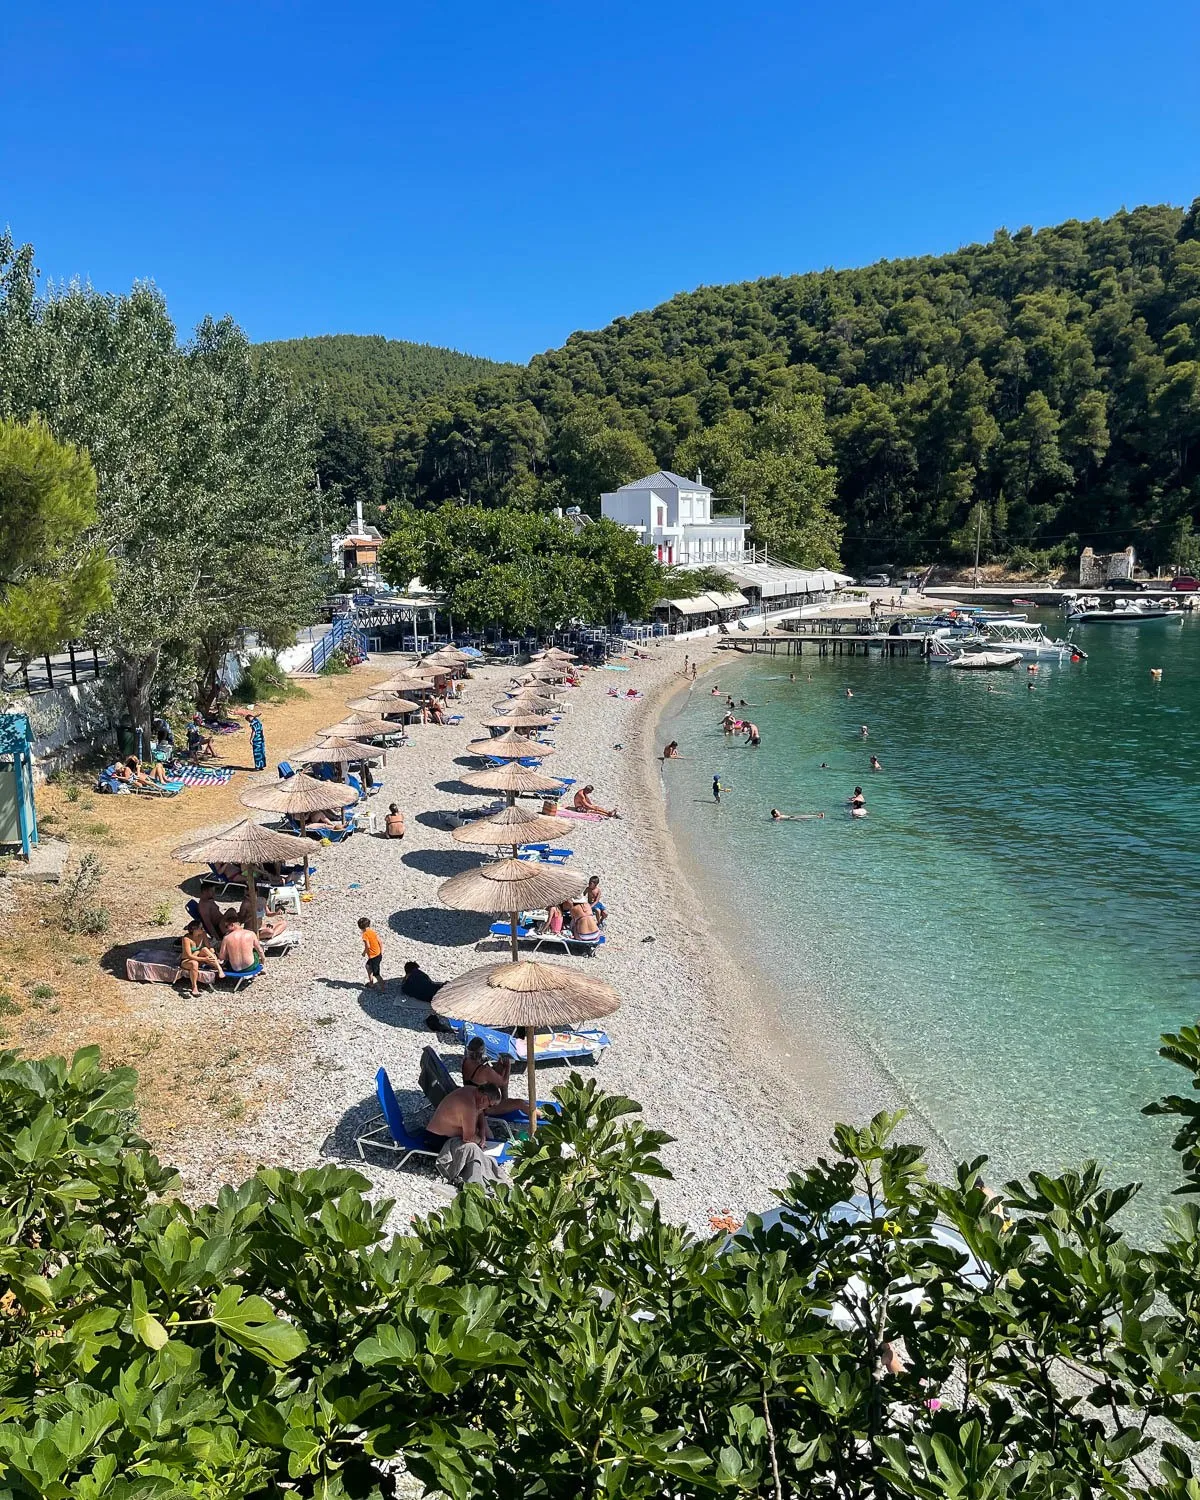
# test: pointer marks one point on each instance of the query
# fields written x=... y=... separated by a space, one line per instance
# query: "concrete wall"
x=67 y=721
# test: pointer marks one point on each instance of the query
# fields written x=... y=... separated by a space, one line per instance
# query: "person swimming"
x=876 y=765
x=857 y=803
x=782 y=817
x=862 y=729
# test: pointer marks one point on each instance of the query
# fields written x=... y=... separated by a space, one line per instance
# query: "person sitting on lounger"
x=269 y=926
x=197 y=955
x=477 y=1069
x=200 y=745
x=459 y=1126
x=553 y=924
x=144 y=775
x=583 y=803
x=241 y=951
x=310 y=822
x=584 y=926
x=214 y=919
x=592 y=897
x=393 y=824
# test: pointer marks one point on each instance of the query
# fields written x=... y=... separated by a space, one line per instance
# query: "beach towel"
x=582 y=817
x=160 y=966
x=201 y=775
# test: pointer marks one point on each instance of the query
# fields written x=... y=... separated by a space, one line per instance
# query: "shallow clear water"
x=1016 y=919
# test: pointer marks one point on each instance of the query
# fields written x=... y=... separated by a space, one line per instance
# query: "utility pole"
x=978 y=534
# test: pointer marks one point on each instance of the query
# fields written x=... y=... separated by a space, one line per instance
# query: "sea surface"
x=1017 y=918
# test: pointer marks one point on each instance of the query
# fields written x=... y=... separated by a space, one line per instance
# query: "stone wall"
x=1098 y=568
x=67 y=722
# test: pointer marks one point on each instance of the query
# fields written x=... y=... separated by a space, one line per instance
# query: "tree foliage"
x=368 y=380
x=52 y=575
x=562 y=1340
x=1054 y=377
x=519 y=569
x=204 y=472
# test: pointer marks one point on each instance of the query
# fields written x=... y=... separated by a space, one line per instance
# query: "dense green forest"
x=1051 y=377
x=373 y=381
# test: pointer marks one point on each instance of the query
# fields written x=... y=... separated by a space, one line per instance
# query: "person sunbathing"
x=583 y=923
x=583 y=803
x=323 y=824
x=198 y=955
x=393 y=824
x=269 y=926
x=200 y=745
x=241 y=951
x=478 y=1069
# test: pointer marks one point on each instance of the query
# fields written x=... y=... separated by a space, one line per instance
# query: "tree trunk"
x=136 y=677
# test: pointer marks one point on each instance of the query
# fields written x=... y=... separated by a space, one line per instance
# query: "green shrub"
x=78 y=911
x=559 y=1339
x=264 y=681
x=161 y=914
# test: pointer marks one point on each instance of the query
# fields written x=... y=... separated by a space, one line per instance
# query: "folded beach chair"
x=388 y=1132
x=530 y=937
x=286 y=769
x=434 y=1077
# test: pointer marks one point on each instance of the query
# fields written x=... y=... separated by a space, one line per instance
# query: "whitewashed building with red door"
x=674 y=517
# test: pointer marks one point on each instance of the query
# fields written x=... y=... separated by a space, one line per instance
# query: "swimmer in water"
x=849 y=693
x=857 y=803
x=791 y=676
x=672 y=751
x=862 y=729
x=782 y=817
x=875 y=763
x=824 y=766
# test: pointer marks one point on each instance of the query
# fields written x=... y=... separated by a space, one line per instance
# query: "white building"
x=673 y=515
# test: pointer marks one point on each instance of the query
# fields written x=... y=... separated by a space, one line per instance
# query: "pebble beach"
x=685 y=1042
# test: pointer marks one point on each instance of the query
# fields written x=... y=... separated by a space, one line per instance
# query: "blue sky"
x=494 y=176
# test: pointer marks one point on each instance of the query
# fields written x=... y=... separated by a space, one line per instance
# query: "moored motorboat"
x=1033 y=643
x=984 y=661
x=1087 y=610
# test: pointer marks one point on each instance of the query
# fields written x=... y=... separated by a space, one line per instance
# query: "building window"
x=659 y=522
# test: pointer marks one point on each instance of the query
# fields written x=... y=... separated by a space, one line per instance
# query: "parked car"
x=1185 y=583
x=1126 y=585
x=875 y=581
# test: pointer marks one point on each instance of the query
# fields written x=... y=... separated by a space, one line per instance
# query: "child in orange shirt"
x=372 y=952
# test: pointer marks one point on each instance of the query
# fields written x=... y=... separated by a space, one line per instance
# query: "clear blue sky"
x=494 y=175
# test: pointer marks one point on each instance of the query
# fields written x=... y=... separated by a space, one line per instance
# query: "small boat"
x=1026 y=603
x=1033 y=643
x=984 y=661
x=1087 y=610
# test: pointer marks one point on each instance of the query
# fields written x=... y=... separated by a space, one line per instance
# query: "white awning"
x=728 y=601
x=698 y=605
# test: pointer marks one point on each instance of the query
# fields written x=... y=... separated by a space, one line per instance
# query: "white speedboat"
x=1033 y=643
x=1087 y=610
x=984 y=661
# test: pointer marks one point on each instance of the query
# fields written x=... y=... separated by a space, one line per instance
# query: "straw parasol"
x=553 y=654
x=518 y=720
x=360 y=727
x=250 y=845
x=513 y=826
x=413 y=677
x=511 y=746
x=512 y=778
x=338 y=753
x=510 y=886
x=384 y=703
x=526 y=995
x=298 y=795
x=531 y=698
x=448 y=657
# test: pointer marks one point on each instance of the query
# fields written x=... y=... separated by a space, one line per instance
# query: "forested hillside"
x=1054 y=377
x=369 y=380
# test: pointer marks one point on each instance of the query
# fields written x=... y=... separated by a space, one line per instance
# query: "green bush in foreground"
x=561 y=1340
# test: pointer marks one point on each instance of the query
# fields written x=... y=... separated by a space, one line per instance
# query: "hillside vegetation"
x=369 y=380
x=1052 y=377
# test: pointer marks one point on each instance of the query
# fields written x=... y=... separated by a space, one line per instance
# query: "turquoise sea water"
x=1018 y=917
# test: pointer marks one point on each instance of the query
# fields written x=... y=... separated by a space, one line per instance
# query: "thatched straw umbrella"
x=526 y=995
x=513 y=826
x=298 y=795
x=417 y=681
x=360 y=727
x=553 y=654
x=512 y=778
x=338 y=753
x=518 y=720
x=528 y=698
x=250 y=845
x=384 y=703
x=510 y=886
x=511 y=746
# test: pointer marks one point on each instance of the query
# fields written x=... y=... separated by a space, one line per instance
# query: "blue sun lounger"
x=545 y=853
x=529 y=936
x=552 y=1046
x=388 y=1132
